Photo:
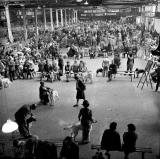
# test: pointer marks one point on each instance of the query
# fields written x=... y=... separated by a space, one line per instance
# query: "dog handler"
x=85 y=116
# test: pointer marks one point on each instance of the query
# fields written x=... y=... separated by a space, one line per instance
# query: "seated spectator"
x=111 y=139
x=129 y=140
x=112 y=70
x=75 y=68
x=70 y=149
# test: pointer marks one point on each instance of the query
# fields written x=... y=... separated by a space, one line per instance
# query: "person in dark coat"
x=129 y=140
x=23 y=117
x=157 y=70
x=61 y=65
x=43 y=93
x=111 y=139
x=112 y=70
x=70 y=149
x=85 y=116
x=80 y=87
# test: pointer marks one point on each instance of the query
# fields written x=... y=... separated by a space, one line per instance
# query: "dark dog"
x=100 y=70
x=138 y=71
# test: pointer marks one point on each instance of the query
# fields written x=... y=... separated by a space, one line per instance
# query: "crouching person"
x=23 y=118
x=111 y=140
x=70 y=149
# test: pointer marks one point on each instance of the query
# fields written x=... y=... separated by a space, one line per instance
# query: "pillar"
x=24 y=23
x=36 y=28
x=65 y=16
x=62 y=17
x=51 y=18
x=44 y=17
x=10 y=36
x=57 y=20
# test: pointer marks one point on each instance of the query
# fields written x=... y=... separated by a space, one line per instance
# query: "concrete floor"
x=119 y=100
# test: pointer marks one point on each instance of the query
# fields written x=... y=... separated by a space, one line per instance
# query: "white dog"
x=75 y=128
x=4 y=82
x=88 y=76
x=53 y=96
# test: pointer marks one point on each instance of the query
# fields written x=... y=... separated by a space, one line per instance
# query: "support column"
x=62 y=17
x=66 y=17
x=57 y=20
x=44 y=18
x=36 y=28
x=10 y=36
x=24 y=23
x=69 y=18
x=76 y=16
x=51 y=18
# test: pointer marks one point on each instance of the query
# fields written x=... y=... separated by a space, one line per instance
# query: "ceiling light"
x=9 y=126
x=86 y=3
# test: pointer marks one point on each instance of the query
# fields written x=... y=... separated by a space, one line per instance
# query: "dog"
x=53 y=96
x=99 y=70
x=75 y=128
x=87 y=76
x=4 y=82
x=138 y=71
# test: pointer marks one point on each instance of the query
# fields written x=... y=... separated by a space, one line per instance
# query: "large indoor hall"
x=79 y=79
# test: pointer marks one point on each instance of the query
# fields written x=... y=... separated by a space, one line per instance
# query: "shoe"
x=76 y=105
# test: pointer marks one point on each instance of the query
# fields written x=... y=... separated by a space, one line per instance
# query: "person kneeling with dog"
x=44 y=93
x=85 y=117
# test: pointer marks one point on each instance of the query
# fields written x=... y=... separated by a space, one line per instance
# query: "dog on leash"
x=139 y=71
x=99 y=70
x=75 y=128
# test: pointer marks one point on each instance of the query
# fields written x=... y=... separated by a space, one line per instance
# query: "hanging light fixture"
x=86 y=2
x=9 y=126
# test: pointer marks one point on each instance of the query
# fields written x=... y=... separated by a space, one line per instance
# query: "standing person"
x=75 y=68
x=158 y=76
x=112 y=70
x=23 y=116
x=80 y=87
x=12 y=69
x=85 y=116
x=67 y=71
x=111 y=140
x=130 y=62
x=129 y=140
x=70 y=149
x=60 y=64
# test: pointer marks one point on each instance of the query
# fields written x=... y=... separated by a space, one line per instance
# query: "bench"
x=141 y=150
x=125 y=73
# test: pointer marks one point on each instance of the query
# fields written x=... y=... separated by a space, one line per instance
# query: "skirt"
x=80 y=95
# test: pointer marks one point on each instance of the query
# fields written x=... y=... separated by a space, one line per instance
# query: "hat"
x=85 y=103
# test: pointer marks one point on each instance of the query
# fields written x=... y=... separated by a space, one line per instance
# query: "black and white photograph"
x=79 y=79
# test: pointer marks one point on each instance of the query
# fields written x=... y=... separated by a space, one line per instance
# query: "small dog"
x=138 y=71
x=99 y=70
